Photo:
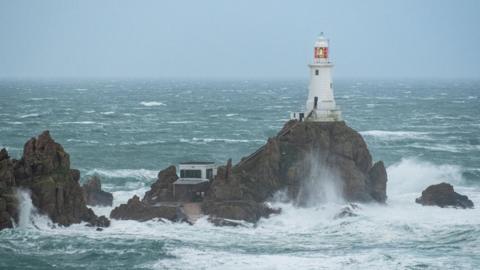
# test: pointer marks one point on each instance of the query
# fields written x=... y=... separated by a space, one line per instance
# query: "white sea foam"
x=81 y=122
x=152 y=103
x=45 y=98
x=179 y=122
x=411 y=175
x=108 y=113
x=195 y=140
x=83 y=141
x=30 y=115
x=141 y=174
x=395 y=135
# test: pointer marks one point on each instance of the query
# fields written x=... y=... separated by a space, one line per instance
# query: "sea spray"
x=26 y=208
x=412 y=175
x=28 y=215
x=322 y=184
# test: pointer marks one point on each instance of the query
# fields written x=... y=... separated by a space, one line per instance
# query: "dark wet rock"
x=300 y=151
x=94 y=195
x=44 y=169
x=443 y=195
x=226 y=222
x=151 y=206
x=8 y=200
x=135 y=209
x=347 y=211
x=249 y=211
x=162 y=189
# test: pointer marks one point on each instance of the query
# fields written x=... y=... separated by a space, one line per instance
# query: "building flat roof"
x=197 y=162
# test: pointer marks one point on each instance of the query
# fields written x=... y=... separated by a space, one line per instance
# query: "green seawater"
x=426 y=132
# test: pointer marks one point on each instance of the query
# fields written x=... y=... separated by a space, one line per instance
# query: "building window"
x=316 y=72
x=190 y=174
x=210 y=174
x=331 y=86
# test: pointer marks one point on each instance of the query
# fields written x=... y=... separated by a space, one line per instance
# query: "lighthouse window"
x=331 y=85
x=316 y=72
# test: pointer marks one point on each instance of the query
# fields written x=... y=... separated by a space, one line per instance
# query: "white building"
x=320 y=104
x=197 y=171
x=194 y=180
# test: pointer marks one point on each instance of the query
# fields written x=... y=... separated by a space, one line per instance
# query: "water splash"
x=28 y=215
x=26 y=209
x=322 y=185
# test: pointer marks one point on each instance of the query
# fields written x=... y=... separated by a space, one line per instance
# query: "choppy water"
x=126 y=131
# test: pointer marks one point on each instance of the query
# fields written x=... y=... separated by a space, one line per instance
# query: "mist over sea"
x=426 y=132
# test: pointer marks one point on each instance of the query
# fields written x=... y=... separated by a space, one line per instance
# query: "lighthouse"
x=320 y=105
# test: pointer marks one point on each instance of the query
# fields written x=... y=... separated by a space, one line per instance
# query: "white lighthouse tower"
x=320 y=106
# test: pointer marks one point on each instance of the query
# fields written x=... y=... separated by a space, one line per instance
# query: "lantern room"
x=320 y=54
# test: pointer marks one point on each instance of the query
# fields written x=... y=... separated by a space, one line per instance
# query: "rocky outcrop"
x=45 y=170
x=8 y=200
x=149 y=207
x=443 y=195
x=135 y=209
x=162 y=189
x=93 y=193
x=300 y=158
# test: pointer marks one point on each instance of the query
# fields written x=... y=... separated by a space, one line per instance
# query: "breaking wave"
x=395 y=135
x=412 y=175
x=140 y=174
x=152 y=103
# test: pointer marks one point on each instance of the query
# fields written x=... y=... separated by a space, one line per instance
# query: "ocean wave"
x=195 y=140
x=395 y=135
x=414 y=175
x=141 y=174
x=15 y=123
x=83 y=141
x=80 y=122
x=446 y=147
x=107 y=113
x=152 y=103
x=149 y=142
x=31 y=115
x=179 y=122
x=40 y=99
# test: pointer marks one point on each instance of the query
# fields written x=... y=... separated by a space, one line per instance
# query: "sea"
x=126 y=131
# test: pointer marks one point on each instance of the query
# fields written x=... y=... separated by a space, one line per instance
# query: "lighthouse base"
x=317 y=115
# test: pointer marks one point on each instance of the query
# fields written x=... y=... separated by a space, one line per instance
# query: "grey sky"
x=224 y=39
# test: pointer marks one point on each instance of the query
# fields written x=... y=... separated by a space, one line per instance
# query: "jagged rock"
x=249 y=211
x=44 y=169
x=135 y=209
x=443 y=195
x=94 y=195
x=300 y=151
x=8 y=201
x=162 y=189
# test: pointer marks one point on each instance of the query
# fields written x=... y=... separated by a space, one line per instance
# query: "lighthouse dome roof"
x=321 y=41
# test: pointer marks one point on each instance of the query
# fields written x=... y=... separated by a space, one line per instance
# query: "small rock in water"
x=94 y=195
x=443 y=195
x=347 y=211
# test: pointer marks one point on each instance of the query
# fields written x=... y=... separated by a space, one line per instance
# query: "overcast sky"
x=246 y=39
